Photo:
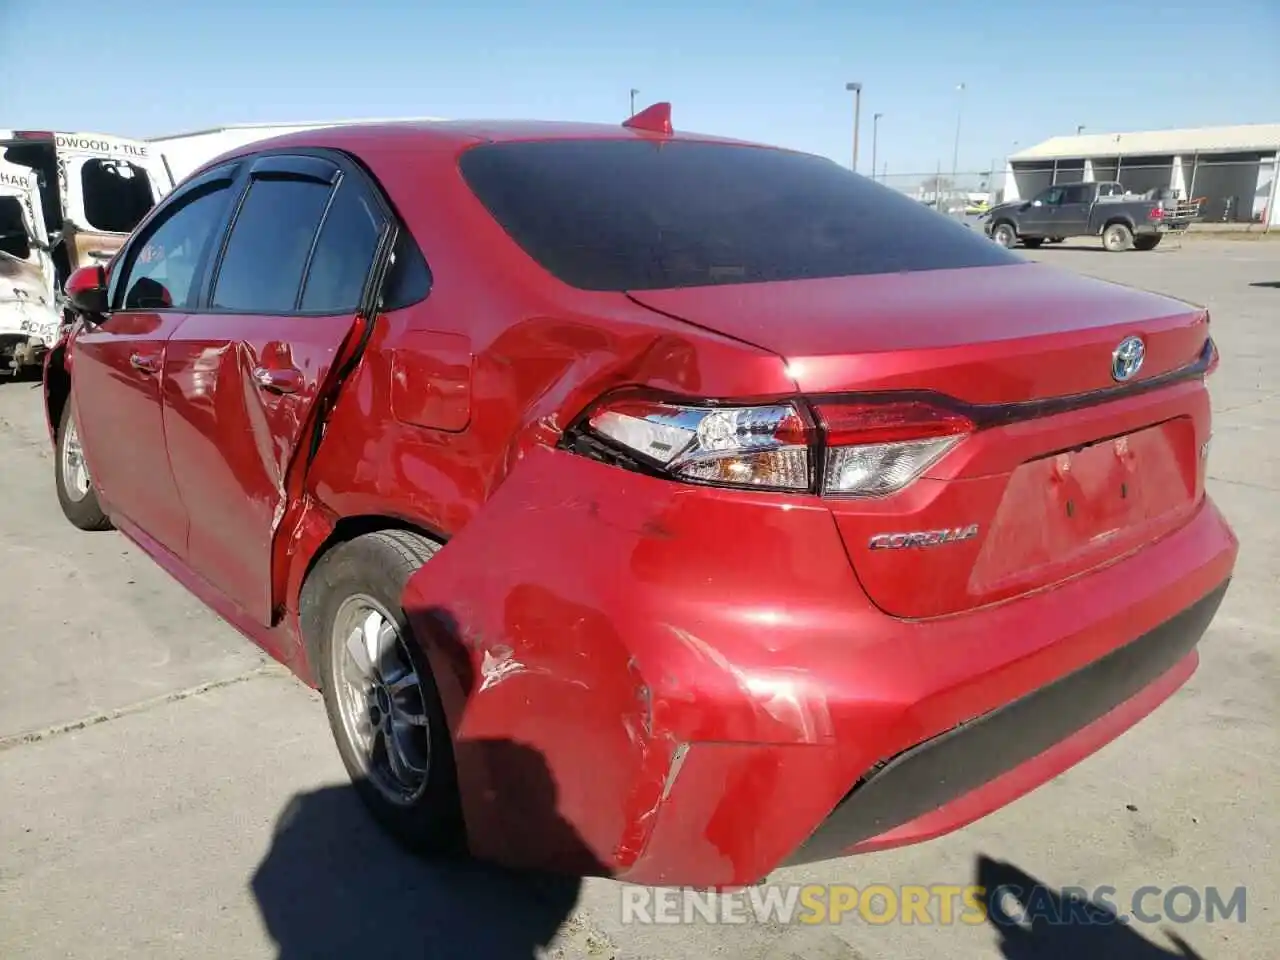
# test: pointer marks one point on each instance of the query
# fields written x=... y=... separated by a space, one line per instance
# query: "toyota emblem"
x=1127 y=359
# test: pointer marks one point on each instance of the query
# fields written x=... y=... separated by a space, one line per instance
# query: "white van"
x=77 y=197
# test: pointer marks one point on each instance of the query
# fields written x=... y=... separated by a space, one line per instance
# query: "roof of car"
x=462 y=132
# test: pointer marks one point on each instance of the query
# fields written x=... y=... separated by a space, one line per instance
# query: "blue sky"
x=769 y=71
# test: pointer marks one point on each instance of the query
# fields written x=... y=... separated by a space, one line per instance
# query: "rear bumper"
x=712 y=694
x=1104 y=697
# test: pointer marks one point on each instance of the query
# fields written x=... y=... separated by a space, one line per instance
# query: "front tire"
x=383 y=705
x=1004 y=234
x=1117 y=238
x=1147 y=242
x=76 y=496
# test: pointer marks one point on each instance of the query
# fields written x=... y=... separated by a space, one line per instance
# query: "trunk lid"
x=1067 y=468
x=1002 y=334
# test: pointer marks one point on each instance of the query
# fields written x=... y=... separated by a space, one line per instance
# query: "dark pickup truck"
x=1103 y=209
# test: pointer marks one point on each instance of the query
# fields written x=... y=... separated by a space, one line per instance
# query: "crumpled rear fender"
x=564 y=618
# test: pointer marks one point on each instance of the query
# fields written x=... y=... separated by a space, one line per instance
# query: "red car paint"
x=707 y=672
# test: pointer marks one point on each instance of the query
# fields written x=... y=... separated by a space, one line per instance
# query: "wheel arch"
x=57 y=388
x=1123 y=219
x=342 y=530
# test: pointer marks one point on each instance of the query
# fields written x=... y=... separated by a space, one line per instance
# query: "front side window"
x=1076 y=194
x=261 y=271
x=117 y=194
x=644 y=214
x=164 y=267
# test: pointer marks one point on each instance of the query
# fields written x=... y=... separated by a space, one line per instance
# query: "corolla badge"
x=1127 y=359
x=922 y=538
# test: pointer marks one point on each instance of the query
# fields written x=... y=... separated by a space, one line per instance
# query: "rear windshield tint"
x=650 y=215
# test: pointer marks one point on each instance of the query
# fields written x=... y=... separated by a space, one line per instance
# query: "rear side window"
x=645 y=215
x=344 y=252
x=261 y=270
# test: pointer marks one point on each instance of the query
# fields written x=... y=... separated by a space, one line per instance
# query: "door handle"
x=144 y=362
x=278 y=379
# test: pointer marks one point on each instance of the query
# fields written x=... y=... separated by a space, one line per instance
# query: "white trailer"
x=183 y=153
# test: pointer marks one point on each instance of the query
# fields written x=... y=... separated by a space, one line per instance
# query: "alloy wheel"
x=75 y=472
x=380 y=700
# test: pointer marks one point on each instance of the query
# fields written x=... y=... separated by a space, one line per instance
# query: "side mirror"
x=86 y=290
x=1037 y=203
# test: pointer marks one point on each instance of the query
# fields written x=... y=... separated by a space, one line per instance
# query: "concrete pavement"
x=165 y=791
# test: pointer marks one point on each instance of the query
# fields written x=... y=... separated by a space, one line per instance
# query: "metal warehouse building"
x=1230 y=170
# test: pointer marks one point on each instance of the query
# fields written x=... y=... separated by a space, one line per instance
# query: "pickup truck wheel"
x=76 y=496
x=1032 y=243
x=1004 y=234
x=383 y=705
x=1117 y=237
x=1056 y=239
x=1146 y=243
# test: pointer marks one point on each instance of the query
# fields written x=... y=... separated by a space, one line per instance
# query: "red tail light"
x=875 y=449
x=861 y=422
x=1157 y=213
x=872 y=449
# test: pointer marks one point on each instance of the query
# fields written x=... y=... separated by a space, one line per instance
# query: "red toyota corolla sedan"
x=649 y=504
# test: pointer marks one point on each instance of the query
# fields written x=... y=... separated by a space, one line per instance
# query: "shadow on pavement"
x=1273 y=284
x=334 y=885
x=1036 y=923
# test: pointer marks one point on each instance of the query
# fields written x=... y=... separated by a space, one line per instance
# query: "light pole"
x=1079 y=129
x=955 y=155
x=634 y=91
x=875 y=140
x=857 y=117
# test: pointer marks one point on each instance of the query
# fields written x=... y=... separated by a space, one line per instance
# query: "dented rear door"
x=246 y=373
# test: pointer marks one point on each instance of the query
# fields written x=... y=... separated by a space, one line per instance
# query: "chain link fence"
x=1225 y=191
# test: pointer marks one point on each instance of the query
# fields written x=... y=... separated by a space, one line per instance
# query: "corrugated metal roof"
x=1243 y=138
x=294 y=125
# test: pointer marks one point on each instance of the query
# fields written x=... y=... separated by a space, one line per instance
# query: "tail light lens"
x=877 y=449
x=865 y=449
x=1157 y=213
x=742 y=446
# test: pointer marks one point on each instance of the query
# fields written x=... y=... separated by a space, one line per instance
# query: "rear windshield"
x=648 y=215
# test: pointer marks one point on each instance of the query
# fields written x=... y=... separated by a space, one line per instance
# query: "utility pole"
x=875 y=140
x=857 y=118
x=634 y=91
x=955 y=155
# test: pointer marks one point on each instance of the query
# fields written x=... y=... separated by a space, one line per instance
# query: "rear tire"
x=1117 y=238
x=383 y=705
x=1147 y=242
x=76 y=496
x=1057 y=239
x=1032 y=243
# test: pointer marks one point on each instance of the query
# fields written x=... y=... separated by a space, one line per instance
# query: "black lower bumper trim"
x=931 y=774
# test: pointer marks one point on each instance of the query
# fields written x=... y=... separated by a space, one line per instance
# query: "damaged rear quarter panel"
x=560 y=618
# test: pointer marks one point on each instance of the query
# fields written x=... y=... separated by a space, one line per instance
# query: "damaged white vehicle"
x=66 y=200
x=29 y=316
